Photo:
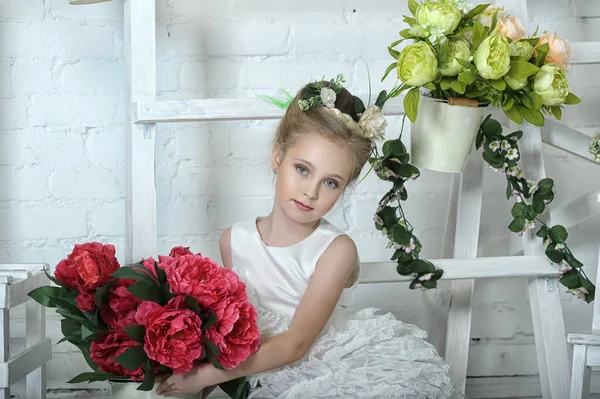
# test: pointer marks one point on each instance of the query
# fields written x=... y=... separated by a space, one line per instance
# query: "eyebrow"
x=312 y=166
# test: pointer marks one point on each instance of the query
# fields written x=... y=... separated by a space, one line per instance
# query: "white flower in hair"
x=328 y=97
x=372 y=122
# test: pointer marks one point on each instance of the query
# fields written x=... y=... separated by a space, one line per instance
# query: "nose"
x=311 y=189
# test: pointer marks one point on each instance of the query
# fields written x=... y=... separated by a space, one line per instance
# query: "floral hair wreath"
x=370 y=122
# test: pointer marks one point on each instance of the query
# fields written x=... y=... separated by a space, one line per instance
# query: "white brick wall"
x=62 y=114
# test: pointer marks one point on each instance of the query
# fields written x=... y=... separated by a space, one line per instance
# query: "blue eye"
x=331 y=184
x=302 y=170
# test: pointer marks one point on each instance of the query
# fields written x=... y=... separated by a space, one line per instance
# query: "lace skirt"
x=375 y=356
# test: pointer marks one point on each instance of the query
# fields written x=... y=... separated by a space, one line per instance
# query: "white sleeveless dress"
x=358 y=355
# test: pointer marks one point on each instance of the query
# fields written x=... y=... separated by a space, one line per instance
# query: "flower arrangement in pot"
x=463 y=60
x=133 y=323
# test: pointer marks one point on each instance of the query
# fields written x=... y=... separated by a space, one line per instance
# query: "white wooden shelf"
x=585 y=52
x=24 y=357
x=461 y=269
x=211 y=109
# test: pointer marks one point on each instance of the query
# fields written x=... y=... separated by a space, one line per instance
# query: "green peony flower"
x=444 y=15
x=521 y=48
x=493 y=57
x=551 y=84
x=456 y=49
x=515 y=84
x=417 y=64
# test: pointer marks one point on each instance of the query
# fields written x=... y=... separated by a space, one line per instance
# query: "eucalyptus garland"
x=502 y=154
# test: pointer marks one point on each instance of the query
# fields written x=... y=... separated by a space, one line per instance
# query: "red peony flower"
x=118 y=321
x=203 y=279
x=236 y=332
x=173 y=335
x=110 y=345
x=180 y=251
x=88 y=267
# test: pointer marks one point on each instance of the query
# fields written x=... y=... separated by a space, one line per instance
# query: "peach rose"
x=510 y=27
x=560 y=50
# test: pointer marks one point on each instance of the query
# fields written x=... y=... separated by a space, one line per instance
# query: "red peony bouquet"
x=152 y=317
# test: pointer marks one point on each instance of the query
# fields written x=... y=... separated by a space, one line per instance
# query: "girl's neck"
x=278 y=230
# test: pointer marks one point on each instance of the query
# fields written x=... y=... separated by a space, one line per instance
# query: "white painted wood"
x=19 y=365
x=19 y=288
x=440 y=299
x=584 y=338
x=4 y=348
x=35 y=331
x=568 y=215
x=557 y=135
x=596 y=315
x=461 y=269
x=593 y=356
x=586 y=52
x=140 y=197
x=546 y=308
x=465 y=247
x=580 y=377
x=217 y=109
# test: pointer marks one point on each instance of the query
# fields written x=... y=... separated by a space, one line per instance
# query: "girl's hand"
x=193 y=381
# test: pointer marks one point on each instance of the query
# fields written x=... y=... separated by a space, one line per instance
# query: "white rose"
x=372 y=122
x=328 y=97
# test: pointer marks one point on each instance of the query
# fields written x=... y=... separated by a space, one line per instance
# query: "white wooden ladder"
x=463 y=227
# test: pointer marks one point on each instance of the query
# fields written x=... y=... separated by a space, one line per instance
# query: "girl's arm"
x=331 y=275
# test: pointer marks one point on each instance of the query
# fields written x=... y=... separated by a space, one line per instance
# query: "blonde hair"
x=328 y=124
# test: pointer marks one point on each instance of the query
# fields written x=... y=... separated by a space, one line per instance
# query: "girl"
x=300 y=271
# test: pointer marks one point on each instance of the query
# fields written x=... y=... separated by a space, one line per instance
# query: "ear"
x=276 y=157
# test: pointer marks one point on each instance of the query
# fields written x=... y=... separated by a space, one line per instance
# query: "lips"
x=302 y=206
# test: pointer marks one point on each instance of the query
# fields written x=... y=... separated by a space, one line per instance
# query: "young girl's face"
x=311 y=176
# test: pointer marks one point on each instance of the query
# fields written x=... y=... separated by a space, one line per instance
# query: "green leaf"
x=557 y=112
x=134 y=273
x=514 y=115
x=538 y=203
x=542 y=232
x=381 y=99
x=475 y=11
x=555 y=256
x=87 y=334
x=394 y=53
x=518 y=210
x=101 y=296
x=570 y=279
x=515 y=136
x=536 y=100
x=466 y=64
x=136 y=333
x=148 y=383
x=404 y=267
x=541 y=53
x=92 y=377
x=421 y=266
x=397 y=42
x=411 y=104
x=236 y=389
x=211 y=321
x=46 y=295
x=491 y=127
x=498 y=84
x=559 y=232
x=536 y=118
x=467 y=77
x=132 y=358
x=147 y=292
x=479 y=33
x=401 y=235
x=508 y=190
x=458 y=86
x=571 y=260
x=412 y=6
x=572 y=99
x=85 y=351
x=521 y=69
x=71 y=330
x=517 y=225
x=359 y=106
